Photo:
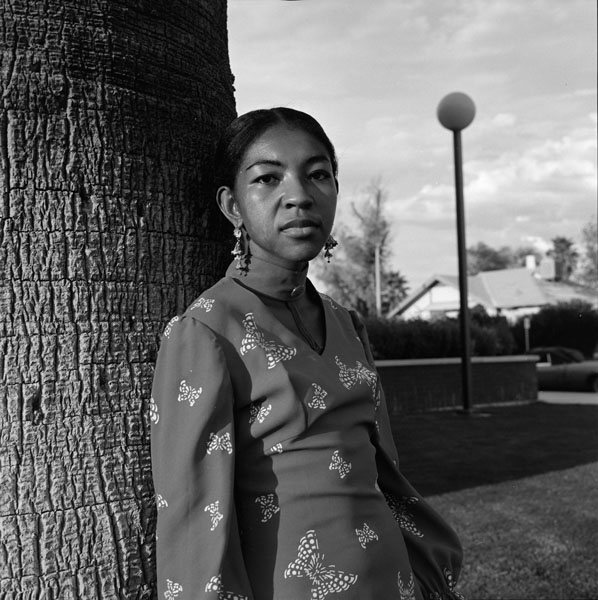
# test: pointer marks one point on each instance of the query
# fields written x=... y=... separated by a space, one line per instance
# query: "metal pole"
x=377 y=278
x=464 y=308
x=526 y=328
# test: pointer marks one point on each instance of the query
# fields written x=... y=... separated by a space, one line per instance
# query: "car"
x=562 y=368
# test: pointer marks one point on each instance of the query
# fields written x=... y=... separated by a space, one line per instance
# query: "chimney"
x=547 y=268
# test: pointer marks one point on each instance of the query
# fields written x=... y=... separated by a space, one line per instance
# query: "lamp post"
x=455 y=112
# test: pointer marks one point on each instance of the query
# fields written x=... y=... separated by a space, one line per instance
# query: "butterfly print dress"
x=275 y=471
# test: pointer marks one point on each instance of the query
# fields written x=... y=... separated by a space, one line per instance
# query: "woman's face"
x=285 y=194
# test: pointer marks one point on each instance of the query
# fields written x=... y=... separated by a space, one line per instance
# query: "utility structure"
x=455 y=112
x=377 y=277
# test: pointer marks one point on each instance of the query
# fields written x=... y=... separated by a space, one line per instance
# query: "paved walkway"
x=568 y=397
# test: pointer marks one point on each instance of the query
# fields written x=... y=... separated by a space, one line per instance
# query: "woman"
x=274 y=466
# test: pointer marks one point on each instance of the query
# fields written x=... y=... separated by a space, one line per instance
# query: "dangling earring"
x=328 y=246
x=242 y=256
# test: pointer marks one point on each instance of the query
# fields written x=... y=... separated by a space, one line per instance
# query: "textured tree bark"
x=108 y=114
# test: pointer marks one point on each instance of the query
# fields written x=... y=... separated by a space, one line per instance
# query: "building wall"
x=414 y=386
x=440 y=300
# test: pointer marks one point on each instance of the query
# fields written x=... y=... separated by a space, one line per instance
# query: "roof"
x=561 y=291
x=511 y=288
x=500 y=289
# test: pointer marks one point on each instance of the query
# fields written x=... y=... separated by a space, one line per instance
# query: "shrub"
x=572 y=324
x=418 y=338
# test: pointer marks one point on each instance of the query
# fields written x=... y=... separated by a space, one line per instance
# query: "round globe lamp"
x=456 y=111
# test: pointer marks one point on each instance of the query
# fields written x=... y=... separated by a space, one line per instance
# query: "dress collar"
x=271 y=279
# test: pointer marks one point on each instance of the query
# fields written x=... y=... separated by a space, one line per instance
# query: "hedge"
x=572 y=324
x=418 y=338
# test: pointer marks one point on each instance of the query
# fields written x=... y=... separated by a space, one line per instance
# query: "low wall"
x=413 y=386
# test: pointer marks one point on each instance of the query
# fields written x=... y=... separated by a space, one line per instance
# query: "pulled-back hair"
x=244 y=130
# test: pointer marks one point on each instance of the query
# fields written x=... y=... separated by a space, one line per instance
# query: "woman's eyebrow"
x=265 y=161
x=317 y=158
x=276 y=163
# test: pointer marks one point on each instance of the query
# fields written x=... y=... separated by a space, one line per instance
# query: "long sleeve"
x=434 y=549
x=193 y=463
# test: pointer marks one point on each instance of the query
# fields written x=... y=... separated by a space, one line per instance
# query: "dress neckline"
x=271 y=279
x=284 y=286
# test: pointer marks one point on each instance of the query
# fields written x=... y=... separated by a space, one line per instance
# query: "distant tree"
x=352 y=280
x=587 y=267
x=394 y=289
x=521 y=253
x=565 y=257
x=482 y=257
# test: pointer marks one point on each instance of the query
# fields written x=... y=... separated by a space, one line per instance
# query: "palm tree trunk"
x=108 y=114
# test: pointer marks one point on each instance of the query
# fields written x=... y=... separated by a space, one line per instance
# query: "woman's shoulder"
x=220 y=307
x=221 y=294
x=334 y=305
x=339 y=310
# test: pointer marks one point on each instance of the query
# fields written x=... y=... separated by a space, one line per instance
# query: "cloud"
x=504 y=120
x=520 y=197
x=536 y=242
x=373 y=74
x=543 y=181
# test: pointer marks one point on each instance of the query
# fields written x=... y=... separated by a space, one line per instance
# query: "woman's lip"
x=300 y=232
x=300 y=224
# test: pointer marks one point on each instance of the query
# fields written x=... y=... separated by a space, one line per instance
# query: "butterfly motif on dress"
x=168 y=327
x=188 y=393
x=268 y=506
x=173 y=589
x=205 y=303
x=338 y=464
x=215 y=585
x=317 y=400
x=255 y=338
x=350 y=376
x=406 y=592
x=161 y=502
x=402 y=516
x=330 y=301
x=451 y=583
x=276 y=449
x=366 y=535
x=154 y=415
x=215 y=515
x=219 y=442
x=310 y=563
x=258 y=413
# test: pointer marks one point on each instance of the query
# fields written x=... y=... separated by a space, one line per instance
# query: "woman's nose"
x=297 y=193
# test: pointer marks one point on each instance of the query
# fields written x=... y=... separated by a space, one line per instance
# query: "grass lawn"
x=520 y=486
x=445 y=451
x=533 y=538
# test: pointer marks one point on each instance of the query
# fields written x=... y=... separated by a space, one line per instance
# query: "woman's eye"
x=320 y=175
x=265 y=179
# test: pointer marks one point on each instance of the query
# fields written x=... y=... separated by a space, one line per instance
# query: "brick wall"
x=413 y=386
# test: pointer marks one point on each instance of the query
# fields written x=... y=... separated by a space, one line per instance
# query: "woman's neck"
x=272 y=279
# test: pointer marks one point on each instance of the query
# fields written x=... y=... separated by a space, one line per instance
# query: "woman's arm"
x=193 y=463
x=434 y=550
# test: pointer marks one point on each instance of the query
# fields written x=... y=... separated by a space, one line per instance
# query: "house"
x=508 y=292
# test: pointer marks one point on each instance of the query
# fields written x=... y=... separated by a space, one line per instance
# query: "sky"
x=373 y=73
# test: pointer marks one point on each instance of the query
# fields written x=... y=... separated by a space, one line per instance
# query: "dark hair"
x=244 y=130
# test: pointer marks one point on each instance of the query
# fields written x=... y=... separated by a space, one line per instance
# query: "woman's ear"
x=228 y=206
